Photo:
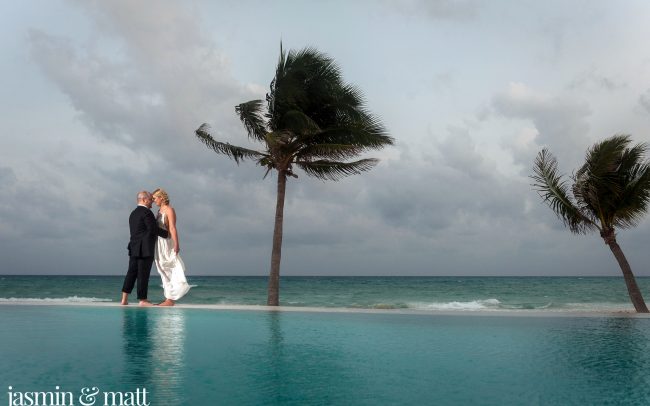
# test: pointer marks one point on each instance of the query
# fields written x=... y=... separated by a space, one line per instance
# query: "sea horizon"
x=153 y=274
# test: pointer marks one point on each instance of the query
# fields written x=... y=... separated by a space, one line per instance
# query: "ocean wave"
x=73 y=299
x=527 y=306
x=496 y=304
x=487 y=304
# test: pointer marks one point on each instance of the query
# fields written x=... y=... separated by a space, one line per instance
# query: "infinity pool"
x=217 y=357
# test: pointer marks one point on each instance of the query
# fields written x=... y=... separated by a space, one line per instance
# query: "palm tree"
x=313 y=121
x=611 y=190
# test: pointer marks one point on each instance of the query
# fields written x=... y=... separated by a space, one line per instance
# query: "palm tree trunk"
x=632 y=288
x=276 y=255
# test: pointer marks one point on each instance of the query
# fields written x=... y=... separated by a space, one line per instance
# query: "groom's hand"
x=163 y=233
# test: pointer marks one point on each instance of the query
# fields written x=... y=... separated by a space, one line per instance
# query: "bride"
x=169 y=264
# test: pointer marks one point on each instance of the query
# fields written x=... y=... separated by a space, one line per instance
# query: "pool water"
x=209 y=357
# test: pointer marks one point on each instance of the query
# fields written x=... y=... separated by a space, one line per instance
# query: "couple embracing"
x=154 y=240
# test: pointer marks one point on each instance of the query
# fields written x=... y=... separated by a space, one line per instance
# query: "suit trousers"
x=139 y=269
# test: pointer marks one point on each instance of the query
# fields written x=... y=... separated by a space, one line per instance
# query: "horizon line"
x=361 y=276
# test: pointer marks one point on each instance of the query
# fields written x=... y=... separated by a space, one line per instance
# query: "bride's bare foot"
x=145 y=303
x=167 y=302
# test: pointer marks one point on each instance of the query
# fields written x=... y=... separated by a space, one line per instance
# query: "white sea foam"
x=526 y=306
x=70 y=299
x=487 y=304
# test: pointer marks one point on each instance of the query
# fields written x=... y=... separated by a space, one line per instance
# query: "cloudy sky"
x=101 y=99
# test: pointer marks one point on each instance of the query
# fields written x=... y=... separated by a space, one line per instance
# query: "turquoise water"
x=423 y=293
x=207 y=357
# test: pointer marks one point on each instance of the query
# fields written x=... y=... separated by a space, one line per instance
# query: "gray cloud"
x=443 y=81
x=460 y=153
x=140 y=106
x=7 y=177
x=593 y=79
x=438 y=203
x=453 y=10
x=455 y=190
x=560 y=122
x=140 y=98
x=644 y=100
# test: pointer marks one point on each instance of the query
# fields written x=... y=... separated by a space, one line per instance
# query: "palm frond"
x=587 y=195
x=607 y=150
x=274 y=100
x=305 y=81
x=298 y=123
x=232 y=151
x=633 y=202
x=349 y=103
x=251 y=115
x=630 y=159
x=597 y=184
x=328 y=151
x=332 y=170
x=369 y=134
x=312 y=119
x=602 y=163
x=321 y=69
x=554 y=191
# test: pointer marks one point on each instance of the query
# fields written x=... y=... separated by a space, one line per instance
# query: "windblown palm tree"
x=313 y=121
x=611 y=190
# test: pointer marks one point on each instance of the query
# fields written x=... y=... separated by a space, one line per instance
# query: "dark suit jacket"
x=144 y=231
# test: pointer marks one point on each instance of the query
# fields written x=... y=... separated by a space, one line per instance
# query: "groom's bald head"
x=144 y=198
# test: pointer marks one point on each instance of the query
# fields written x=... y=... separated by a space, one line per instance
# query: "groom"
x=144 y=232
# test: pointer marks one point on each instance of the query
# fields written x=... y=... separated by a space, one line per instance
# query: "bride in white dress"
x=168 y=262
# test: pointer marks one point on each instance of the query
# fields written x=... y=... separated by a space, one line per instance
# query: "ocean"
x=545 y=294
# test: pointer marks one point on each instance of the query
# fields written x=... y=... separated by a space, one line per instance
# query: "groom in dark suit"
x=144 y=233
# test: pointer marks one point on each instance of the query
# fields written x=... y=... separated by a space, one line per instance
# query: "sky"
x=101 y=99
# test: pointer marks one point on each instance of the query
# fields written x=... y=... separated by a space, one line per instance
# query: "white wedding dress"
x=170 y=266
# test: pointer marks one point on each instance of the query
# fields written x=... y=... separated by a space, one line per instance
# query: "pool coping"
x=299 y=309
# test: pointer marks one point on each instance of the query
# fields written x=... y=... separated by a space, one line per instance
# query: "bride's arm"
x=171 y=217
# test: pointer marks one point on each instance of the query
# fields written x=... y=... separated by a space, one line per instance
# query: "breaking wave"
x=487 y=304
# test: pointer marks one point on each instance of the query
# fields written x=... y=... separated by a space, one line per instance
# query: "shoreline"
x=303 y=309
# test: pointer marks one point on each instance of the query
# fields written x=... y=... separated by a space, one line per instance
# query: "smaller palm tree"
x=611 y=190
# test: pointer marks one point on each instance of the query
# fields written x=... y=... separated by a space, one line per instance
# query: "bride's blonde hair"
x=162 y=194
